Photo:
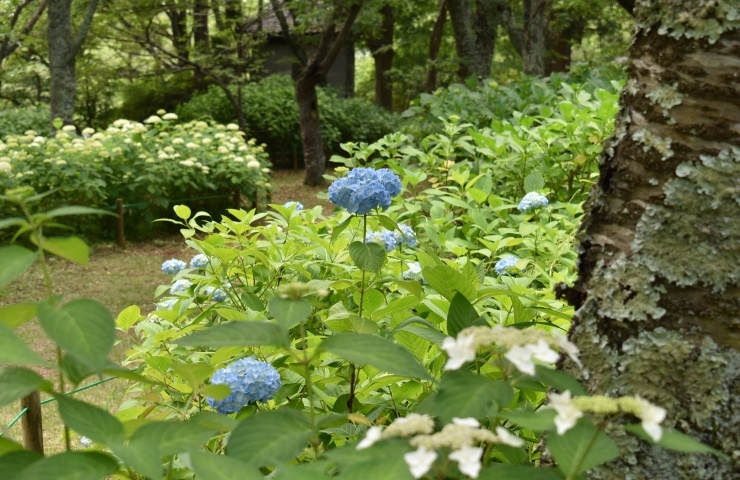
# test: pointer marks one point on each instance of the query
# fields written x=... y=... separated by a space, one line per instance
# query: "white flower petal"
x=508 y=438
x=468 y=460
x=460 y=350
x=466 y=422
x=420 y=461
x=373 y=435
x=567 y=413
x=654 y=430
x=542 y=352
x=521 y=358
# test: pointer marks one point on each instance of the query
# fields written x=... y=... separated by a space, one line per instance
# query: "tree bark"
x=11 y=41
x=381 y=45
x=560 y=44
x=535 y=26
x=474 y=25
x=658 y=293
x=435 y=42
x=201 y=40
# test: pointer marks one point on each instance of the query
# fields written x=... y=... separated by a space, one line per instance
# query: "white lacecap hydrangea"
x=172 y=266
x=250 y=381
x=531 y=201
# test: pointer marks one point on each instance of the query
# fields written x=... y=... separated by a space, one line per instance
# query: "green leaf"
x=69 y=248
x=500 y=471
x=76 y=210
x=238 y=334
x=461 y=315
x=376 y=351
x=674 y=440
x=538 y=421
x=367 y=256
x=173 y=437
x=13 y=350
x=560 y=380
x=387 y=223
x=13 y=463
x=84 y=328
x=193 y=373
x=142 y=455
x=384 y=460
x=17 y=314
x=216 y=391
x=71 y=466
x=269 y=438
x=289 y=312
x=448 y=281
x=7 y=446
x=17 y=383
x=581 y=448
x=464 y=394
x=14 y=260
x=182 y=211
x=534 y=182
x=11 y=222
x=303 y=471
x=128 y=317
x=340 y=228
x=90 y=421
x=221 y=467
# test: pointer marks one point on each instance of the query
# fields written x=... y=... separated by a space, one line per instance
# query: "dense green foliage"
x=272 y=117
x=16 y=121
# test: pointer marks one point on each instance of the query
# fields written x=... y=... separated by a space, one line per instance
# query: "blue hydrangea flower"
x=167 y=304
x=298 y=205
x=249 y=380
x=406 y=236
x=216 y=294
x=180 y=286
x=384 y=237
x=198 y=261
x=413 y=271
x=505 y=263
x=172 y=266
x=86 y=442
x=531 y=201
x=365 y=189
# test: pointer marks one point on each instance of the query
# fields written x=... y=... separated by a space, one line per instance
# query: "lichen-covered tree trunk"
x=308 y=116
x=658 y=298
x=535 y=27
x=63 y=81
x=474 y=26
x=381 y=45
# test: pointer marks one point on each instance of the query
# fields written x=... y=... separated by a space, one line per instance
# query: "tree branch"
x=84 y=27
x=331 y=54
x=8 y=46
x=628 y=5
x=299 y=53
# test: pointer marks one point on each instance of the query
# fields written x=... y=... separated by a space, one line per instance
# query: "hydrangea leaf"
x=71 y=466
x=447 y=281
x=90 y=421
x=367 y=256
x=463 y=394
x=17 y=382
x=501 y=471
x=14 y=260
x=222 y=467
x=142 y=455
x=13 y=350
x=17 y=314
x=581 y=448
x=236 y=334
x=382 y=460
x=534 y=182
x=376 y=351
x=69 y=248
x=173 y=437
x=289 y=312
x=461 y=315
x=269 y=438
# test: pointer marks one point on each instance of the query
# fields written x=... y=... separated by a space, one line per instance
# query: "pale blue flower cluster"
x=198 y=261
x=298 y=205
x=531 y=201
x=180 y=286
x=364 y=189
x=172 y=266
x=249 y=380
x=216 y=294
x=413 y=271
x=505 y=263
x=167 y=304
x=393 y=239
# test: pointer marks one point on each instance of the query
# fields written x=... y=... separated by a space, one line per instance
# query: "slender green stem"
x=362 y=282
x=306 y=361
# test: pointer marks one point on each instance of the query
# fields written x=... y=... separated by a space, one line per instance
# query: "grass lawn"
x=117 y=278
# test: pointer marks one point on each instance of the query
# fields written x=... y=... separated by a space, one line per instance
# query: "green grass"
x=116 y=278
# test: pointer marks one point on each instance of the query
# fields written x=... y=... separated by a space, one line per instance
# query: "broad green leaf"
x=128 y=317
x=14 y=260
x=69 y=248
x=193 y=373
x=534 y=182
x=560 y=380
x=13 y=350
x=464 y=394
x=17 y=383
x=340 y=228
x=221 y=467
x=17 y=314
x=674 y=440
x=71 y=466
x=500 y=471
x=581 y=448
x=173 y=437
x=384 y=460
x=288 y=312
x=461 y=315
x=182 y=211
x=75 y=370
x=238 y=334
x=434 y=336
x=380 y=353
x=76 y=210
x=447 y=282
x=142 y=455
x=7 y=446
x=538 y=421
x=216 y=391
x=367 y=256
x=269 y=438
x=84 y=328
x=90 y=421
x=303 y=471
x=387 y=223
x=13 y=463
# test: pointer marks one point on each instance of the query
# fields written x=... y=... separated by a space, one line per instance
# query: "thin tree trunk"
x=535 y=26
x=658 y=295
x=474 y=26
x=308 y=116
x=560 y=44
x=435 y=42
x=381 y=45
x=201 y=39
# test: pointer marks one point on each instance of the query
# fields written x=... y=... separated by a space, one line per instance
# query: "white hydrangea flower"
x=468 y=460
x=460 y=350
x=420 y=461
x=522 y=356
x=567 y=413
x=253 y=164
x=373 y=435
x=169 y=116
x=232 y=126
x=152 y=119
